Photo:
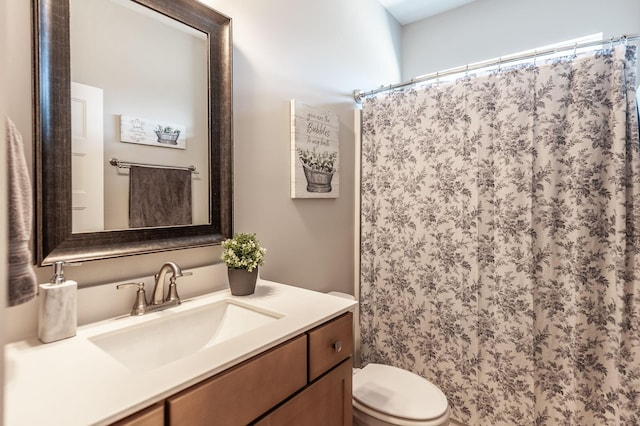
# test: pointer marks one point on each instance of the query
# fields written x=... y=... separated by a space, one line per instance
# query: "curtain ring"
x=611 y=43
x=466 y=71
x=575 y=48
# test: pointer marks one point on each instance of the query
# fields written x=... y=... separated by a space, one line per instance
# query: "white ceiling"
x=408 y=11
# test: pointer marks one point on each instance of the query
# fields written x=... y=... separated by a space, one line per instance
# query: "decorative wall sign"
x=314 y=152
x=150 y=132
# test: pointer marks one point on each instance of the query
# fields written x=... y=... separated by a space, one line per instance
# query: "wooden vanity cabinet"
x=306 y=381
x=151 y=416
x=244 y=392
x=326 y=400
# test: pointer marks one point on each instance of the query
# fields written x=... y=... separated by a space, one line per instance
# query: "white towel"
x=22 y=278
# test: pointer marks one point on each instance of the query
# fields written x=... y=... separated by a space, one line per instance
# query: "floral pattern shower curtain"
x=500 y=253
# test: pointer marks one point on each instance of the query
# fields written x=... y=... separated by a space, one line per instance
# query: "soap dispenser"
x=57 y=307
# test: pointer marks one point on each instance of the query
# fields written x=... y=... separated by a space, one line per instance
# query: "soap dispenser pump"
x=57 y=307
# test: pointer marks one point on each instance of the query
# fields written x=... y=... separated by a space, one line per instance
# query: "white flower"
x=243 y=251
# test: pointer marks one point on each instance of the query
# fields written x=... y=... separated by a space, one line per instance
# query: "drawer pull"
x=337 y=346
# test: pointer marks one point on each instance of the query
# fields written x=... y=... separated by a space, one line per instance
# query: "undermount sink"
x=171 y=335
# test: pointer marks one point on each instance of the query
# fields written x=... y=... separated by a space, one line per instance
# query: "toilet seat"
x=398 y=396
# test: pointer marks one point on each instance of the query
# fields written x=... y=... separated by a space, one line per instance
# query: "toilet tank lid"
x=398 y=393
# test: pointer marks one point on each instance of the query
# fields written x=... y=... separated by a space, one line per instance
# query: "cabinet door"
x=330 y=344
x=152 y=416
x=327 y=402
x=243 y=393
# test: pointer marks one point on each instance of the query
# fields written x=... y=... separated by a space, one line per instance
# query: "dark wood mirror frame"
x=52 y=132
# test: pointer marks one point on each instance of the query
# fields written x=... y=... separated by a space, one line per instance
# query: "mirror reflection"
x=139 y=91
x=134 y=107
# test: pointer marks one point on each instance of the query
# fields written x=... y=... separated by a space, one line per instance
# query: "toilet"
x=384 y=395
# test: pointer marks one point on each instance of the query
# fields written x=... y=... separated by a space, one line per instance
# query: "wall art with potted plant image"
x=151 y=132
x=314 y=152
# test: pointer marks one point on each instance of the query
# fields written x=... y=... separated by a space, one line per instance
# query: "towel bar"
x=125 y=165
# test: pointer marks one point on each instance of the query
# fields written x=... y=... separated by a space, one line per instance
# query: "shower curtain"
x=500 y=240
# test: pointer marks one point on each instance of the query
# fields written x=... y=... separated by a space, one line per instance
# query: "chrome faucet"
x=158 y=289
x=158 y=301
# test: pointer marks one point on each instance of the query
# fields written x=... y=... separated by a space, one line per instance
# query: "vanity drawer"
x=330 y=344
x=244 y=392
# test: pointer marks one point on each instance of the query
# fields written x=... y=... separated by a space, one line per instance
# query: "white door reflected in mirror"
x=87 y=162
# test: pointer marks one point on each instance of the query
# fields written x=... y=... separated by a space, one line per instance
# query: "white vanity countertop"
x=73 y=382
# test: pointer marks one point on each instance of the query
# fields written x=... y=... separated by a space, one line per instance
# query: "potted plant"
x=242 y=254
x=318 y=169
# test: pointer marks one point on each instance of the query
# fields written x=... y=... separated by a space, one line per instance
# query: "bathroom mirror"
x=55 y=236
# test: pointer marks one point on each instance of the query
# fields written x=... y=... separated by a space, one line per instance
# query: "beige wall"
x=488 y=29
x=315 y=51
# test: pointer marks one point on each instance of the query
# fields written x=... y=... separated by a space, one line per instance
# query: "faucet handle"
x=140 y=303
x=172 y=294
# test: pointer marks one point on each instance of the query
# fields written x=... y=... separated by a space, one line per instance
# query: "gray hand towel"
x=22 y=278
x=159 y=197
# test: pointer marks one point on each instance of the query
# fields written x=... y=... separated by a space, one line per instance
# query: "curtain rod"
x=126 y=165
x=358 y=95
